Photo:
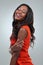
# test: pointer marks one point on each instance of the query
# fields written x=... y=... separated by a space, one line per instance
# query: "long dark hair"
x=27 y=21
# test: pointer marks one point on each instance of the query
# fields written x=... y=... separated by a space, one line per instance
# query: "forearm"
x=14 y=58
x=15 y=49
x=17 y=46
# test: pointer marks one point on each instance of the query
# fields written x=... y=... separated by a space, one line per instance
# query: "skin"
x=22 y=34
x=16 y=48
x=21 y=13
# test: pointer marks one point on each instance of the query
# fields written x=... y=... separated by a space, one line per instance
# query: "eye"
x=23 y=11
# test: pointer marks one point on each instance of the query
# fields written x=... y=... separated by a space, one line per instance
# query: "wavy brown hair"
x=28 y=20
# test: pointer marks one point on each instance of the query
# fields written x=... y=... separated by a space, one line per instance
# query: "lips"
x=18 y=15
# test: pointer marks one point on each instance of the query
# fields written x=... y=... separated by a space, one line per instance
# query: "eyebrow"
x=24 y=9
x=20 y=8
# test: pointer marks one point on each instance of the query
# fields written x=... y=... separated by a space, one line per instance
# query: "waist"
x=24 y=57
x=23 y=54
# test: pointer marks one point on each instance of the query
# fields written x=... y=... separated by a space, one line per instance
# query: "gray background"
x=7 y=8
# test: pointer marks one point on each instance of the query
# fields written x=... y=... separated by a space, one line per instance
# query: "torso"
x=24 y=56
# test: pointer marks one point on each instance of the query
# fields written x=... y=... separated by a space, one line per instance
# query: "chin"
x=18 y=19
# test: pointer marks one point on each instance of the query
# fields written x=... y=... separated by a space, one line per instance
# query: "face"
x=21 y=12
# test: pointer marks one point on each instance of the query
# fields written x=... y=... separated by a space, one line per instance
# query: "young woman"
x=22 y=35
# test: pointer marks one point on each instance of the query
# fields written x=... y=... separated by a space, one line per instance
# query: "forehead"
x=23 y=7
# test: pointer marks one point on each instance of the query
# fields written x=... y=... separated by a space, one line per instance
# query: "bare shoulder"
x=22 y=33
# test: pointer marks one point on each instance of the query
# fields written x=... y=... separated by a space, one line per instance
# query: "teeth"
x=18 y=15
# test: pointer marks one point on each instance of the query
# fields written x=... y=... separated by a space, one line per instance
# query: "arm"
x=22 y=34
x=20 y=40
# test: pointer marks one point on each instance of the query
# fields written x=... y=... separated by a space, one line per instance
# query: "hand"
x=18 y=43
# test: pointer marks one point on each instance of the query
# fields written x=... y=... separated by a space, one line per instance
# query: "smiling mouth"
x=18 y=15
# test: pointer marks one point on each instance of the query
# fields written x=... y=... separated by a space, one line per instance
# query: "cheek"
x=16 y=11
x=23 y=15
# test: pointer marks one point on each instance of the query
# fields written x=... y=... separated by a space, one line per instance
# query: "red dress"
x=24 y=57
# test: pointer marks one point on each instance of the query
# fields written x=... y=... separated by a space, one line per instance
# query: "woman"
x=22 y=35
